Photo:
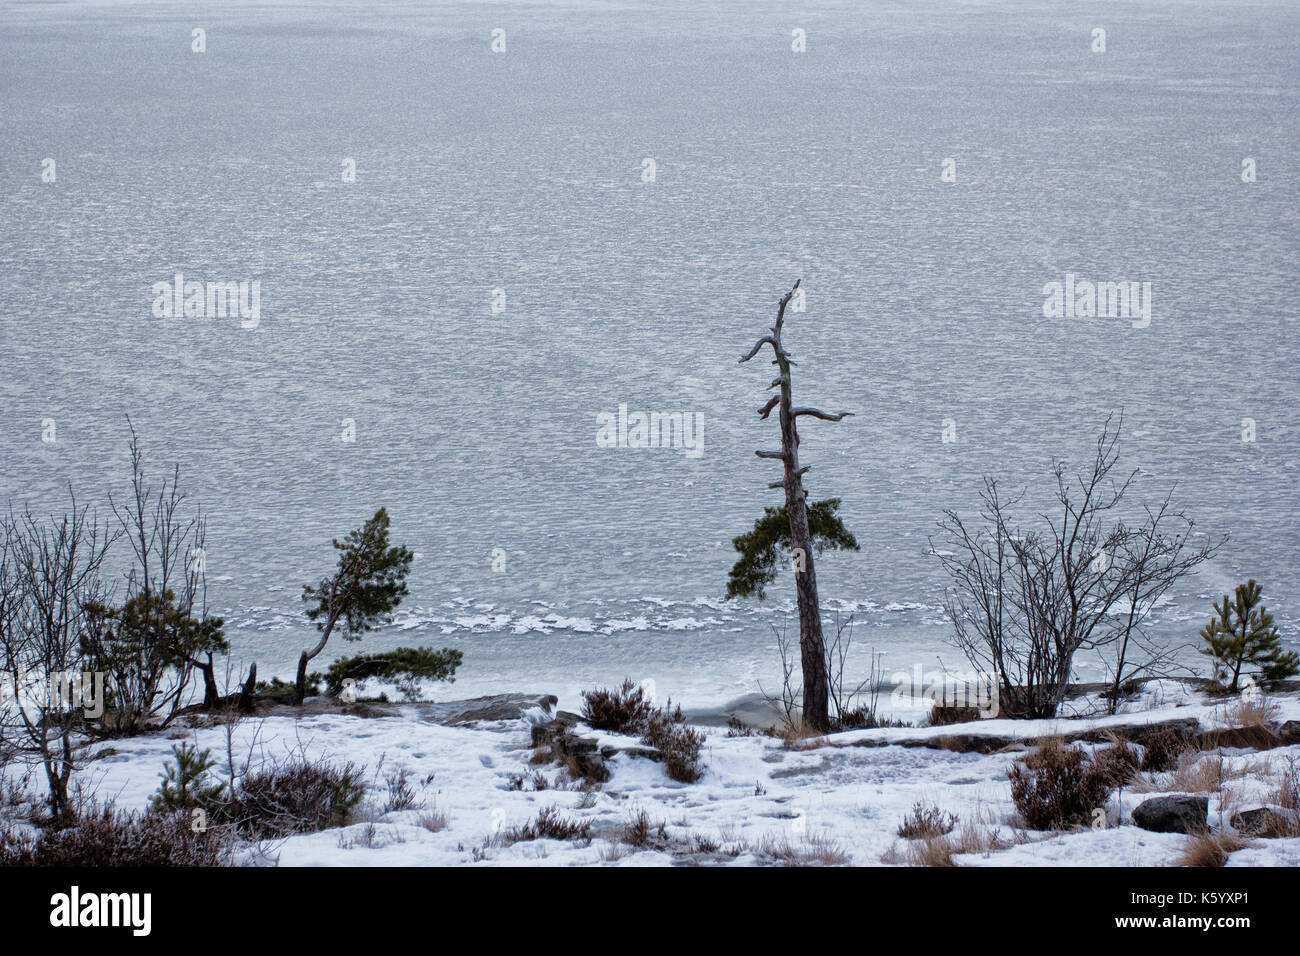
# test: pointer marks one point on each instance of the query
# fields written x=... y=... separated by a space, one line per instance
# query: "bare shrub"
x=926 y=820
x=640 y=832
x=623 y=710
x=1118 y=763
x=549 y=825
x=738 y=728
x=941 y=716
x=1056 y=786
x=1161 y=750
x=1024 y=601
x=533 y=781
x=401 y=795
x=105 y=837
x=50 y=579
x=679 y=745
x=627 y=710
x=296 y=797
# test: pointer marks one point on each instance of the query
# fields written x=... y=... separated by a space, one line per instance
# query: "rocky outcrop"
x=1177 y=814
x=975 y=742
x=1290 y=732
x=494 y=707
x=1267 y=822
x=1256 y=737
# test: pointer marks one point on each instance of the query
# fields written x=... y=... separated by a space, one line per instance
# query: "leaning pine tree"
x=1242 y=635
x=797 y=528
x=369 y=583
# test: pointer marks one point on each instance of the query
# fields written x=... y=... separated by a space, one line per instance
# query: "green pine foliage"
x=369 y=584
x=187 y=784
x=406 y=665
x=135 y=645
x=1243 y=635
x=761 y=548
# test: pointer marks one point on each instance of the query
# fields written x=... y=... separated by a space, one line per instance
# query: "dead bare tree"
x=1024 y=602
x=150 y=646
x=1155 y=554
x=49 y=577
x=812 y=647
x=852 y=705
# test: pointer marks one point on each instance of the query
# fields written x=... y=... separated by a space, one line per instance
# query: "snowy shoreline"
x=837 y=799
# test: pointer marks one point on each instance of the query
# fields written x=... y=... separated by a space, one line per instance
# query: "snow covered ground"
x=758 y=802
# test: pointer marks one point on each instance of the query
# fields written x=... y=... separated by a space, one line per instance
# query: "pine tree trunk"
x=812 y=646
x=300 y=687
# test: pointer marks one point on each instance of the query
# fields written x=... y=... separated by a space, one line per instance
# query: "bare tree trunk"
x=812 y=646
x=211 y=693
x=246 y=694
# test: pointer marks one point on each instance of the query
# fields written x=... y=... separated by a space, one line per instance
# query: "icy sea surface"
x=505 y=268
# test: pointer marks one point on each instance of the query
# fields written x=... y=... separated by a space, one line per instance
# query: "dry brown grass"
x=1288 y=789
x=799 y=737
x=926 y=820
x=1201 y=773
x=1210 y=849
x=934 y=851
x=973 y=839
x=1197 y=774
x=938 y=849
x=433 y=819
x=1260 y=712
x=611 y=852
x=816 y=849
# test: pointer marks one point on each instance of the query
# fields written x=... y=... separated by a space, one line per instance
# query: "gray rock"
x=580 y=755
x=1180 y=814
x=494 y=707
x=1267 y=822
x=1290 y=732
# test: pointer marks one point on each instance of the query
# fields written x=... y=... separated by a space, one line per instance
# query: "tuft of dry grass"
x=817 y=849
x=549 y=825
x=926 y=820
x=938 y=849
x=611 y=852
x=433 y=819
x=932 y=851
x=641 y=833
x=800 y=737
x=1201 y=773
x=973 y=839
x=1288 y=788
x=1260 y=712
x=1210 y=849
